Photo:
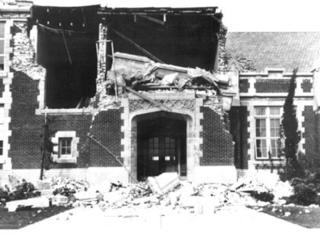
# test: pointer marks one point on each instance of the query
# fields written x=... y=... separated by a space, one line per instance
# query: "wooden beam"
x=152 y=19
x=124 y=37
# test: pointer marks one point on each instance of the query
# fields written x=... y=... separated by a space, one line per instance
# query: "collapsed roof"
x=68 y=36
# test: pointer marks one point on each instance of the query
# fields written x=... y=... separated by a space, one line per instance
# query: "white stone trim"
x=255 y=102
x=198 y=120
x=251 y=89
x=125 y=153
x=251 y=131
x=266 y=74
x=298 y=92
x=74 y=147
x=61 y=111
x=6 y=98
x=192 y=131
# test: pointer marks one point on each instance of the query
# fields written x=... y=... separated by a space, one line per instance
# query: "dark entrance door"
x=161 y=146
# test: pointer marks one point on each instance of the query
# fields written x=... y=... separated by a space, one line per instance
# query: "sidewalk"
x=229 y=223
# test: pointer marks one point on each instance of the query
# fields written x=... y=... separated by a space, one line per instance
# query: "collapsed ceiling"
x=67 y=39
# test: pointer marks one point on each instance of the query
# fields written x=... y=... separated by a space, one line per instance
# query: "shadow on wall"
x=26 y=127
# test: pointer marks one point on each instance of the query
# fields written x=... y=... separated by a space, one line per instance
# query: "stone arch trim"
x=193 y=117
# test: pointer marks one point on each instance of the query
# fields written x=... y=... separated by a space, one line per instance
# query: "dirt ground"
x=22 y=218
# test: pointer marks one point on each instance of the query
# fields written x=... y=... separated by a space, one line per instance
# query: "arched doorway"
x=161 y=144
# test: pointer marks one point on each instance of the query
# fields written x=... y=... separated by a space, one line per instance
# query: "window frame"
x=268 y=117
x=65 y=147
x=57 y=155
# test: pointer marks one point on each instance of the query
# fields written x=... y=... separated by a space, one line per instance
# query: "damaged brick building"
x=126 y=93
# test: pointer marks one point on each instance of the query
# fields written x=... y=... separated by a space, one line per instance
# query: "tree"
x=291 y=134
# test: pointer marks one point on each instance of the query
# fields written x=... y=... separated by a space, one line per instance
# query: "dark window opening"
x=1 y=148
x=67 y=49
x=2 y=28
x=64 y=146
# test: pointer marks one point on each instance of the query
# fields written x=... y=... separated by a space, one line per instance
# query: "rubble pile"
x=17 y=190
x=183 y=197
x=68 y=187
x=138 y=74
x=165 y=192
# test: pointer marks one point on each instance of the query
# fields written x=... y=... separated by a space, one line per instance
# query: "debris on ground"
x=166 y=192
x=67 y=186
x=17 y=190
x=164 y=182
x=36 y=202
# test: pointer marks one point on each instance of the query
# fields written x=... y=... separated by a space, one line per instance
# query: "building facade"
x=265 y=62
x=123 y=94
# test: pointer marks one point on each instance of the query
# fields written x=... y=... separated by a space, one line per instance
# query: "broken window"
x=2 y=36
x=267 y=132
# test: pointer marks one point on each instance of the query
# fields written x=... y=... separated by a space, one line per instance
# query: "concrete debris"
x=59 y=200
x=37 y=202
x=164 y=192
x=137 y=71
x=164 y=182
x=287 y=214
x=67 y=187
x=17 y=189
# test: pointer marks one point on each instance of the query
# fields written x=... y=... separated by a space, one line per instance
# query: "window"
x=2 y=113
x=1 y=148
x=2 y=30
x=267 y=124
x=65 y=146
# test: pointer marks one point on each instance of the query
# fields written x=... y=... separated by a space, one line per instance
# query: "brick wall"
x=26 y=127
x=106 y=128
x=80 y=124
x=217 y=141
x=271 y=85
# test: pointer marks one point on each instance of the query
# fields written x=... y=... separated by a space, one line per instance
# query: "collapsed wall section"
x=25 y=125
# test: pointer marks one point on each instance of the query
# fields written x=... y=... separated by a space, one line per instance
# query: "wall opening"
x=66 y=47
x=161 y=144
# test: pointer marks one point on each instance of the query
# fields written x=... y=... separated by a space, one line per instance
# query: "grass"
x=22 y=218
x=308 y=217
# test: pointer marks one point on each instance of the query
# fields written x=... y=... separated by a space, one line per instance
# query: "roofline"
x=157 y=10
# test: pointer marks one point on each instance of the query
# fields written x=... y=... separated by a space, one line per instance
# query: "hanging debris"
x=141 y=73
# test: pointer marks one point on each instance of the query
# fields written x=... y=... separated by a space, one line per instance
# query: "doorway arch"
x=160 y=143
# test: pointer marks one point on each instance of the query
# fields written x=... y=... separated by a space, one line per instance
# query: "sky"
x=239 y=15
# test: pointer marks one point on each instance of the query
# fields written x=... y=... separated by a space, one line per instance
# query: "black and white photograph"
x=159 y=119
